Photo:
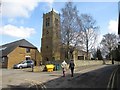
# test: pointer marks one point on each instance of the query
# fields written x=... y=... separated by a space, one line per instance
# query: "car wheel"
x=20 y=67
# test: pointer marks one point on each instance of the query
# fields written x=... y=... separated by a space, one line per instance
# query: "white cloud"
x=113 y=26
x=21 y=8
x=87 y=0
x=49 y=1
x=18 y=8
x=14 y=31
x=56 y=11
x=48 y=6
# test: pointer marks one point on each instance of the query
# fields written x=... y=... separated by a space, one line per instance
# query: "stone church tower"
x=50 y=47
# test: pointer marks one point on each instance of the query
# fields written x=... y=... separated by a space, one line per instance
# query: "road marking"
x=36 y=83
x=110 y=85
x=113 y=79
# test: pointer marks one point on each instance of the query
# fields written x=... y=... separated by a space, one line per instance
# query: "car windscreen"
x=22 y=62
x=29 y=61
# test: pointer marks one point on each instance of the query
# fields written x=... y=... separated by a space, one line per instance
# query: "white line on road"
x=112 y=80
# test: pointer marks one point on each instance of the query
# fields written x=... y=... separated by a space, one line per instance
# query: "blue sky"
x=23 y=19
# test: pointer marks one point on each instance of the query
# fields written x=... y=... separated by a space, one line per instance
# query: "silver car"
x=24 y=64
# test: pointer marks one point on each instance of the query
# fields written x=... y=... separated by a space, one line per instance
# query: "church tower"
x=50 y=46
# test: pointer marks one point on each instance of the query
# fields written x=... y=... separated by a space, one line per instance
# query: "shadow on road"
x=94 y=79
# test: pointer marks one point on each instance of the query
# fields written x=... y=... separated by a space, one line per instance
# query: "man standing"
x=64 y=66
x=71 y=66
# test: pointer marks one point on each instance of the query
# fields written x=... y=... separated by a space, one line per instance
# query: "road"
x=115 y=79
x=84 y=77
x=98 y=78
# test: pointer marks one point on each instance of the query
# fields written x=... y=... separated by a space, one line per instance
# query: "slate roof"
x=7 y=48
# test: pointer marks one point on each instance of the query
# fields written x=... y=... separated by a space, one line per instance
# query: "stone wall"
x=78 y=63
x=90 y=62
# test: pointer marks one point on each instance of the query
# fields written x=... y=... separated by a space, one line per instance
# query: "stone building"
x=81 y=55
x=51 y=46
x=15 y=52
x=77 y=54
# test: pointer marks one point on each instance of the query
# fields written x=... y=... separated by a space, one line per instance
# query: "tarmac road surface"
x=96 y=76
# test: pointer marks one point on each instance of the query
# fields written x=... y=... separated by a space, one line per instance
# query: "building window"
x=80 y=57
x=27 y=58
x=57 y=34
x=27 y=50
x=47 y=47
x=47 y=32
x=47 y=59
x=47 y=22
x=56 y=22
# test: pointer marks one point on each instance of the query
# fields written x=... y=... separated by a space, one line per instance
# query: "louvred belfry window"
x=47 y=22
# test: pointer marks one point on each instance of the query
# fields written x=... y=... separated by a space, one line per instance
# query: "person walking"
x=64 y=66
x=71 y=67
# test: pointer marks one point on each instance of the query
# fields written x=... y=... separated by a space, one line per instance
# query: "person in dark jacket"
x=71 y=66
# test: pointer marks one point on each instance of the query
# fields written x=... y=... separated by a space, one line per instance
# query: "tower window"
x=56 y=22
x=57 y=34
x=47 y=47
x=47 y=32
x=47 y=22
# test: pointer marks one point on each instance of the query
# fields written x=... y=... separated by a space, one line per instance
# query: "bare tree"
x=109 y=43
x=89 y=32
x=70 y=28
